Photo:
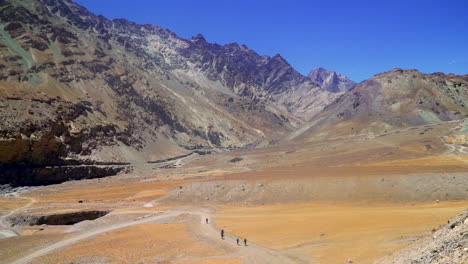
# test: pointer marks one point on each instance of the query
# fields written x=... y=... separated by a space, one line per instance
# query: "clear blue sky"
x=358 y=38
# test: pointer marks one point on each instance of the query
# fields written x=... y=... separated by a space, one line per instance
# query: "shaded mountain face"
x=331 y=81
x=76 y=86
x=393 y=100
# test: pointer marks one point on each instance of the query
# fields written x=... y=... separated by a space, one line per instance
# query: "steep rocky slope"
x=331 y=81
x=78 y=87
x=259 y=78
x=390 y=101
x=446 y=245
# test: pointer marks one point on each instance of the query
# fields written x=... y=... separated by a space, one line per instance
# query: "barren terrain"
x=357 y=198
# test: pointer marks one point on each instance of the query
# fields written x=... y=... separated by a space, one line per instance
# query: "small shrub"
x=236 y=159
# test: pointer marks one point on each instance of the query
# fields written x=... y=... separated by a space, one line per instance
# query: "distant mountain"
x=393 y=100
x=331 y=81
x=76 y=87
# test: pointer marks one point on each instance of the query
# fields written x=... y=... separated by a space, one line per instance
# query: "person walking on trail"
x=238 y=242
x=206 y=220
x=245 y=241
x=222 y=233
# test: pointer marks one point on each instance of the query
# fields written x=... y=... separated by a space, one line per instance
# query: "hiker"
x=238 y=242
x=207 y=220
x=222 y=233
x=245 y=241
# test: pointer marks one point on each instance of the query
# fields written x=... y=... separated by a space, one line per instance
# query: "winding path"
x=5 y=230
x=252 y=253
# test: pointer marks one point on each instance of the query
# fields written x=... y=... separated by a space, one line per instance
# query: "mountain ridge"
x=80 y=88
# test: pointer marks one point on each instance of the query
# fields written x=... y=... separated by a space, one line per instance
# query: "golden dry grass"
x=336 y=233
x=8 y=205
x=427 y=162
x=100 y=196
x=145 y=243
x=14 y=247
x=112 y=192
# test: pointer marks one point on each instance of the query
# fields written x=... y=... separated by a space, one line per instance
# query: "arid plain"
x=359 y=198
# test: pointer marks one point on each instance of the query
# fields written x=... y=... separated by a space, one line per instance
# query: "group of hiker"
x=237 y=239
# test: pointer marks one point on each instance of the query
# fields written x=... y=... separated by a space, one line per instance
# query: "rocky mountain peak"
x=278 y=57
x=279 y=61
x=198 y=38
x=331 y=80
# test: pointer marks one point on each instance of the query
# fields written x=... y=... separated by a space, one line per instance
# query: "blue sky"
x=358 y=38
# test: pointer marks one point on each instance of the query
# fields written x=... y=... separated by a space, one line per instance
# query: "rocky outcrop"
x=331 y=81
x=54 y=219
x=33 y=175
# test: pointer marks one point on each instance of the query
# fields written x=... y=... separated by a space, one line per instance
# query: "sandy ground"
x=358 y=198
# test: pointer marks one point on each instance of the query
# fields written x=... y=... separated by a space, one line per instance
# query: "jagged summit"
x=330 y=80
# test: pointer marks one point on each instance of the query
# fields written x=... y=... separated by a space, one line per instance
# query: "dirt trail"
x=7 y=231
x=252 y=253
x=31 y=201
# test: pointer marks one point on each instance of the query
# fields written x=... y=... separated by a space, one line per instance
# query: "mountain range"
x=78 y=88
